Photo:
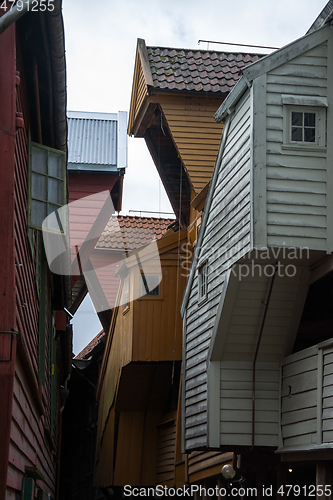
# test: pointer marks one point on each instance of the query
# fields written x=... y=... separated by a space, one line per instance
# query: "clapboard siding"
x=307 y=397
x=296 y=180
x=236 y=403
x=196 y=134
x=227 y=228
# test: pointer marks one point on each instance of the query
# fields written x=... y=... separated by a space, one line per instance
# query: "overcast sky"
x=100 y=41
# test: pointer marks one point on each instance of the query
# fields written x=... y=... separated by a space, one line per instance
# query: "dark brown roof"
x=197 y=70
x=85 y=353
x=125 y=232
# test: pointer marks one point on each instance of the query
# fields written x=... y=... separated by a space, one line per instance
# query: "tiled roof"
x=197 y=70
x=124 y=232
x=85 y=353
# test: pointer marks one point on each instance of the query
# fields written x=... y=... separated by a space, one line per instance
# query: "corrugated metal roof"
x=93 y=140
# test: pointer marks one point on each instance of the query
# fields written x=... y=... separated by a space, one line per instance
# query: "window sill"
x=303 y=147
x=125 y=311
x=202 y=300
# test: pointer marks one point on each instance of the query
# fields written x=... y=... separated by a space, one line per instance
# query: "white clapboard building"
x=257 y=370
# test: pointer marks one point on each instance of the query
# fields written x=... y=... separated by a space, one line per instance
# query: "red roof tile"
x=85 y=353
x=125 y=232
x=197 y=70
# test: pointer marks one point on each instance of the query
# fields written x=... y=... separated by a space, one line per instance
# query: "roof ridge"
x=207 y=50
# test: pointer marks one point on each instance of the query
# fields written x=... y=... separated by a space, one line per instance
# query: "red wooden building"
x=97 y=160
x=35 y=341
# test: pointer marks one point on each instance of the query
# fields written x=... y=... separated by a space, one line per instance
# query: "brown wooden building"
x=35 y=341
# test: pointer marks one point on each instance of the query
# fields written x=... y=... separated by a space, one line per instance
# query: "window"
x=126 y=293
x=203 y=269
x=303 y=126
x=304 y=122
x=150 y=285
x=47 y=192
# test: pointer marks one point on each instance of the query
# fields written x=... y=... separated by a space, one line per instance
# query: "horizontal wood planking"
x=296 y=180
x=236 y=403
x=191 y=122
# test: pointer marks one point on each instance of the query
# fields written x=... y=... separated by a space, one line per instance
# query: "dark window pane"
x=152 y=282
x=38 y=186
x=296 y=119
x=38 y=212
x=296 y=134
x=39 y=160
x=55 y=165
x=309 y=119
x=309 y=134
x=55 y=191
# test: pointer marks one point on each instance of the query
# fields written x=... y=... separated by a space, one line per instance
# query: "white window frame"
x=202 y=280
x=304 y=104
x=126 y=293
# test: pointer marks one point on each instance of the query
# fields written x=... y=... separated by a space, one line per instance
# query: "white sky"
x=100 y=41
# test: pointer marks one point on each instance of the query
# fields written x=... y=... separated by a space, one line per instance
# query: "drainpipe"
x=13 y=15
x=256 y=355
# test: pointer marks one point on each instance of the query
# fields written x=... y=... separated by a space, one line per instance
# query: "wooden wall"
x=195 y=133
x=33 y=432
x=157 y=325
x=226 y=238
x=307 y=397
x=296 y=179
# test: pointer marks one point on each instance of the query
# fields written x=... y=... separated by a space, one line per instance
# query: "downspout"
x=256 y=355
x=13 y=15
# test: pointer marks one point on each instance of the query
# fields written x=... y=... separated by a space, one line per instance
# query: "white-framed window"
x=126 y=293
x=202 y=275
x=304 y=122
x=150 y=285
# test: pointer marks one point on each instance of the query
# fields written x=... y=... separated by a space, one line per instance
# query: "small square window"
x=203 y=270
x=304 y=122
x=150 y=285
x=303 y=127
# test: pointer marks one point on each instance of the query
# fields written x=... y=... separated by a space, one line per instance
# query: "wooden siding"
x=157 y=324
x=195 y=133
x=32 y=435
x=104 y=263
x=307 y=398
x=226 y=239
x=166 y=450
x=28 y=442
x=296 y=179
x=236 y=403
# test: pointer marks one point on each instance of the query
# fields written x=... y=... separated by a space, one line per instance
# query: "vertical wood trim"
x=280 y=439
x=251 y=171
x=213 y=404
x=259 y=131
x=183 y=377
x=320 y=358
x=329 y=154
